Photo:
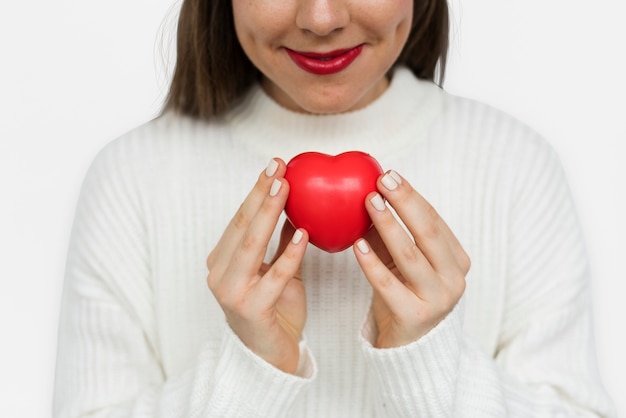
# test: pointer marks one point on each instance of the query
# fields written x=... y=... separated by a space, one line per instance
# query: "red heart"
x=327 y=196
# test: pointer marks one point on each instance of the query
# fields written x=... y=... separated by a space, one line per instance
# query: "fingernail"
x=389 y=182
x=275 y=187
x=271 y=168
x=378 y=202
x=363 y=247
x=396 y=177
x=297 y=237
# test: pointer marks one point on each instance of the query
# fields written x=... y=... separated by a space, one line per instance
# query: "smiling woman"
x=218 y=59
x=189 y=293
x=353 y=44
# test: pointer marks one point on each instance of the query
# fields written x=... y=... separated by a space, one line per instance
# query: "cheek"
x=243 y=15
x=388 y=16
x=260 y=21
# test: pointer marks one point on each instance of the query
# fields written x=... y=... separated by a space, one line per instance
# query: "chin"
x=327 y=105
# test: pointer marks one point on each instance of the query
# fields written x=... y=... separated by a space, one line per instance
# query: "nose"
x=322 y=17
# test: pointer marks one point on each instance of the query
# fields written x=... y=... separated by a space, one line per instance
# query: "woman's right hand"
x=264 y=304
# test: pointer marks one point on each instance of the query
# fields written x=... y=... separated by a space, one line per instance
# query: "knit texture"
x=141 y=335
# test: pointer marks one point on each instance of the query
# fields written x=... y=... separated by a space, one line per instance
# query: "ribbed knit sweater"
x=141 y=335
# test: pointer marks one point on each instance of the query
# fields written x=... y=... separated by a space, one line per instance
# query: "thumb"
x=285 y=236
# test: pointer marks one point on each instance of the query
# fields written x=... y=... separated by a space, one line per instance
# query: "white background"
x=76 y=74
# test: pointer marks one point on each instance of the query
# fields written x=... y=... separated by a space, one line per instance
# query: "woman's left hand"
x=418 y=277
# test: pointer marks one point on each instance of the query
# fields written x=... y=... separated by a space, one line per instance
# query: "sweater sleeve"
x=545 y=364
x=108 y=361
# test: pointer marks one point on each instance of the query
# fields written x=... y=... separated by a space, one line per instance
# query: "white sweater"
x=141 y=335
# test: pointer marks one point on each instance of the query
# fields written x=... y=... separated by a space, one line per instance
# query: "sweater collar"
x=383 y=128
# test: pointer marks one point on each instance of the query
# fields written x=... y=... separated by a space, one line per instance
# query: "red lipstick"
x=325 y=63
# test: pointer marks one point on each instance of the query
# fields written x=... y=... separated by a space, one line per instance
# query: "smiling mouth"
x=325 y=63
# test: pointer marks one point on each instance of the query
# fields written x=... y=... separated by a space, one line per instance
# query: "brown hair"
x=212 y=70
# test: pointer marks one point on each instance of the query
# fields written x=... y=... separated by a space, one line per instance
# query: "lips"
x=325 y=63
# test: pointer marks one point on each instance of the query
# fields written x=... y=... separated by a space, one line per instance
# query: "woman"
x=400 y=325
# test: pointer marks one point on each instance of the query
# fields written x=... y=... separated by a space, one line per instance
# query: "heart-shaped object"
x=327 y=196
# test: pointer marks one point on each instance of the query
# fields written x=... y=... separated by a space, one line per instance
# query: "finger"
x=412 y=264
x=432 y=235
x=285 y=268
x=249 y=254
x=395 y=294
x=376 y=243
x=445 y=229
x=221 y=255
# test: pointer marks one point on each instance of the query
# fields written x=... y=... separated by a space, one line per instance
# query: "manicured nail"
x=389 y=182
x=378 y=202
x=363 y=247
x=297 y=237
x=271 y=168
x=275 y=187
x=396 y=177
